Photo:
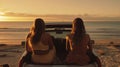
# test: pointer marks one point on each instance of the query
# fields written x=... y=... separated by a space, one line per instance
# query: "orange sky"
x=63 y=10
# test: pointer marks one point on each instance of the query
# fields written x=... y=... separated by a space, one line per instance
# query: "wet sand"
x=10 y=55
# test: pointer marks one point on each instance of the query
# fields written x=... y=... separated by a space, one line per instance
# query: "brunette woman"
x=40 y=44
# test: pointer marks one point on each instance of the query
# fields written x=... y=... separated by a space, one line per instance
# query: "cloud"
x=63 y=17
x=12 y=14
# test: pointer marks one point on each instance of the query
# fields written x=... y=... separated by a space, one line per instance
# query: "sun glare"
x=2 y=18
x=1 y=13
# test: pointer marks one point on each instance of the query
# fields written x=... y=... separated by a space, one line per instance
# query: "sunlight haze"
x=88 y=9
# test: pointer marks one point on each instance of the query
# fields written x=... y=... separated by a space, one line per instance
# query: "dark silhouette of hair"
x=36 y=31
x=78 y=29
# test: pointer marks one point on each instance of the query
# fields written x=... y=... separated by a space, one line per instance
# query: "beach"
x=109 y=53
x=11 y=54
x=105 y=34
x=101 y=21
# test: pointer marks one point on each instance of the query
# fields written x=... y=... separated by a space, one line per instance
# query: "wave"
x=104 y=31
x=14 y=29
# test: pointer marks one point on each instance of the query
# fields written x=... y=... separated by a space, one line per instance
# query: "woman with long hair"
x=77 y=43
x=40 y=44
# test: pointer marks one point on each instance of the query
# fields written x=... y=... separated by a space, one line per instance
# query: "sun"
x=2 y=17
x=1 y=13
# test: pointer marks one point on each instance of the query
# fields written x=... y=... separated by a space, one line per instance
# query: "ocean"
x=15 y=32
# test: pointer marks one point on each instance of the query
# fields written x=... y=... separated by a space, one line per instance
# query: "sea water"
x=15 y=32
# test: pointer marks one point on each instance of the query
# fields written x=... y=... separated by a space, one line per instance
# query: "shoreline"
x=96 y=42
x=107 y=41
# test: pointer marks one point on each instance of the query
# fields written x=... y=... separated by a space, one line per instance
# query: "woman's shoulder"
x=47 y=35
x=29 y=34
x=87 y=35
x=69 y=36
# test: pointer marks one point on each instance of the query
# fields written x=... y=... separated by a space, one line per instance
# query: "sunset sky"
x=64 y=10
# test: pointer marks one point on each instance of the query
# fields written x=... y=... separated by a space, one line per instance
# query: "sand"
x=109 y=54
x=10 y=55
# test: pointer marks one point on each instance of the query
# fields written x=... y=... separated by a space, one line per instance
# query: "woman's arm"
x=27 y=46
x=68 y=44
x=90 y=44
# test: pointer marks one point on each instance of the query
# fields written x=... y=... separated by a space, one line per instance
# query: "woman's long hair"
x=36 y=31
x=78 y=29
